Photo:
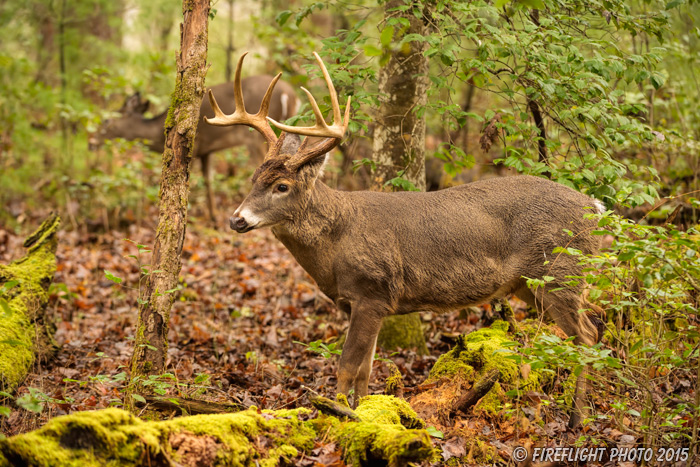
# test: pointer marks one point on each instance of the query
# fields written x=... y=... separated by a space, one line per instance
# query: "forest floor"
x=241 y=332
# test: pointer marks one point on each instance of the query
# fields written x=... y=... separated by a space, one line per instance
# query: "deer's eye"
x=282 y=188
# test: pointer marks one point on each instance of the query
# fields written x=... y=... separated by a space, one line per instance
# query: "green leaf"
x=372 y=51
x=6 y=310
x=5 y=411
x=30 y=403
x=282 y=17
x=386 y=36
x=435 y=433
x=7 y=286
x=112 y=277
x=657 y=79
x=536 y=4
x=626 y=256
x=138 y=398
x=501 y=3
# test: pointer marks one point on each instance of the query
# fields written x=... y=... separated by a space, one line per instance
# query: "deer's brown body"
x=132 y=124
x=441 y=250
x=379 y=254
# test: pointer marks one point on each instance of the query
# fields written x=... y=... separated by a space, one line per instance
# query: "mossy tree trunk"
x=399 y=133
x=25 y=331
x=399 y=144
x=151 y=343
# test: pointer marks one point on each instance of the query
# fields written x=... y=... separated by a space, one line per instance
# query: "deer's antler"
x=240 y=116
x=334 y=133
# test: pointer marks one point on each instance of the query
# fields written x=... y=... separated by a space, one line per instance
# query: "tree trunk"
x=399 y=146
x=151 y=343
x=229 y=42
x=25 y=332
x=399 y=134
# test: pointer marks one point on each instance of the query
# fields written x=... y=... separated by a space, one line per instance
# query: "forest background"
x=602 y=96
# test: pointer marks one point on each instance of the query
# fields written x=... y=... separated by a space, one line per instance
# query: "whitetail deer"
x=132 y=125
x=378 y=254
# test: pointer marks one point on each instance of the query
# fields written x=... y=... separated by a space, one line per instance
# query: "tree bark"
x=399 y=134
x=399 y=145
x=151 y=343
x=229 y=42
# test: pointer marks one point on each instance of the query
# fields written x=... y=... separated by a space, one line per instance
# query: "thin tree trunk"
x=539 y=123
x=62 y=70
x=151 y=343
x=229 y=44
x=399 y=146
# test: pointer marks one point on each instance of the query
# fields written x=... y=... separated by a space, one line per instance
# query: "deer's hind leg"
x=563 y=307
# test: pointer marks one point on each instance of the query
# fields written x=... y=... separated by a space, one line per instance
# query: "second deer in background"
x=132 y=125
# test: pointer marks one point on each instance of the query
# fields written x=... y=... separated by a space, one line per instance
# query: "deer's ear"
x=134 y=104
x=313 y=169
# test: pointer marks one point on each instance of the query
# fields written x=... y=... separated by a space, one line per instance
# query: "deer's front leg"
x=358 y=351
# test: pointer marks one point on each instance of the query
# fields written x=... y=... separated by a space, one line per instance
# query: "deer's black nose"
x=238 y=224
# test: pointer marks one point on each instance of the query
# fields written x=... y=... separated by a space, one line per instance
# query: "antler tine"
x=321 y=128
x=240 y=116
x=265 y=105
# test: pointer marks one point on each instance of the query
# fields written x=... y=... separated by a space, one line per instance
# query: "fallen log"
x=185 y=406
x=26 y=334
x=387 y=433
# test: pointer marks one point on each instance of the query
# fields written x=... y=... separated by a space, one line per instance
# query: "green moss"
x=17 y=356
x=403 y=331
x=480 y=453
x=394 y=383
x=363 y=443
x=478 y=352
x=113 y=437
x=387 y=431
x=342 y=399
x=388 y=409
x=22 y=327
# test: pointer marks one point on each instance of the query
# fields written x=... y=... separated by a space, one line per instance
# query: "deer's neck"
x=314 y=235
x=321 y=220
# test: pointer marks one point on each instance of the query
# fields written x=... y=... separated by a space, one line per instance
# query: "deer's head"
x=131 y=115
x=284 y=182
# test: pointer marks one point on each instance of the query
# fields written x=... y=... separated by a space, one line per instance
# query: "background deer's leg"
x=563 y=307
x=358 y=350
x=206 y=172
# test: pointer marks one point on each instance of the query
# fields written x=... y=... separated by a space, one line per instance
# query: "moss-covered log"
x=474 y=376
x=388 y=432
x=25 y=332
x=473 y=357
